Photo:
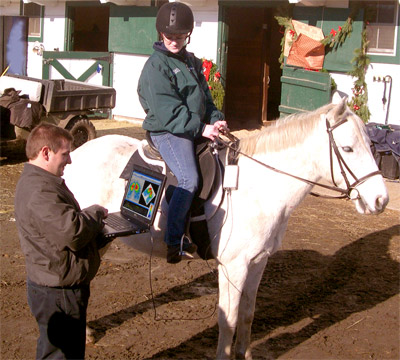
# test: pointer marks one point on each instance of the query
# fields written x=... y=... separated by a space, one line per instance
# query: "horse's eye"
x=347 y=149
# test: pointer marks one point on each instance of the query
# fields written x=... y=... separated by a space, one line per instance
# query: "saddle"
x=209 y=167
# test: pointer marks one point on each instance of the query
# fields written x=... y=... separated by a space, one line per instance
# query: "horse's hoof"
x=90 y=339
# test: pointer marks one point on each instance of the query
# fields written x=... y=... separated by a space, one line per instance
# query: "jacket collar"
x=160 y=46
x=31 y=169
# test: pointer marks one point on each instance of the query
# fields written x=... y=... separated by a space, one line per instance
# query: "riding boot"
x=185 y=248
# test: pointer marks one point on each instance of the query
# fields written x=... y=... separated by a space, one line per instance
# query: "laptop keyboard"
x=117 y=222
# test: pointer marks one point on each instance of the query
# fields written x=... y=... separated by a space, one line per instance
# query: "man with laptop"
x=60 y=243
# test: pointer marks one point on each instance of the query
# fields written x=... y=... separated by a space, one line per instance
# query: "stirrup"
x=187 y=254
x=183 y=252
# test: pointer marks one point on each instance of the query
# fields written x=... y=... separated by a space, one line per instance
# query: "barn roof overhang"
x=57 y=2
x=328 y=3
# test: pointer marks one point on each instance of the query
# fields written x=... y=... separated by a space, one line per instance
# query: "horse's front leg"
x=231 y=277
x=246 y=309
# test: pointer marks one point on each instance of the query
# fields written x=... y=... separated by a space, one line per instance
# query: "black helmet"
x=174 y=18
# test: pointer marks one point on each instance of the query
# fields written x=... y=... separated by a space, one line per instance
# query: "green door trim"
x=59 y=67
x=104 y=59
x=222 y=50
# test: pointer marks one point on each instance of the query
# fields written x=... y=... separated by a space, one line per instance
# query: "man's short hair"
x=46 y=134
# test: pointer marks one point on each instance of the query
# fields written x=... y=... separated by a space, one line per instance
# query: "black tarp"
x=386 y=147
x=19 y=111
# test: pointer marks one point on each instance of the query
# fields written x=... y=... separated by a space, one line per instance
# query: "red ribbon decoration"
x=207 y=65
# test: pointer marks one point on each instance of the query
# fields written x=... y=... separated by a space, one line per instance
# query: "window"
x=381 y=29
x=35 y=14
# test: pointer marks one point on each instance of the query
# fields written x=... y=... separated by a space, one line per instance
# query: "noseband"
x=345 y=193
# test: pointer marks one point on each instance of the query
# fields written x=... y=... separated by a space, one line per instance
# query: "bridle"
x=346 y=193
x=232 y=144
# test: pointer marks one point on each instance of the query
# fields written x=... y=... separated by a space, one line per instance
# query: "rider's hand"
x=222 y=126
x=211 y=132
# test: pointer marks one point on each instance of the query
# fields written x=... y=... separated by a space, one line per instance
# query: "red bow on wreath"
x=207 y=65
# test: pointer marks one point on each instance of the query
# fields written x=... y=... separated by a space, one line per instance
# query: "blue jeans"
x=179 y=154
x=61 y=317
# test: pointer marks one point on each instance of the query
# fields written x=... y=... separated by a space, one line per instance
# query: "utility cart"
x=65 y=103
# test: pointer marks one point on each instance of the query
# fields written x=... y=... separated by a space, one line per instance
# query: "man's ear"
x=44 y=152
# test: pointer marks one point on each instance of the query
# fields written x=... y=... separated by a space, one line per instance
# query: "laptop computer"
x=139 y=205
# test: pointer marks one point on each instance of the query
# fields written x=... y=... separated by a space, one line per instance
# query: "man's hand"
x=105 y=211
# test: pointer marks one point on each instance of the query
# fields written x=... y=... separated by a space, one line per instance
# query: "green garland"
x=359 y=101
x=336 y=38
x=287 y=23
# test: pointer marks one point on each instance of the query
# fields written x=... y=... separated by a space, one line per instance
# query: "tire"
x=82 y=130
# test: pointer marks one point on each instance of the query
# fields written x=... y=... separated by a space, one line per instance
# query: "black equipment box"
x=389 y=166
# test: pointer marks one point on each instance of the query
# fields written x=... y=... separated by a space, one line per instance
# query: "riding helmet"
x=175 y=18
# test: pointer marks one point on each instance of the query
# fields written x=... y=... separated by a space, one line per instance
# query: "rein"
x=345 y=193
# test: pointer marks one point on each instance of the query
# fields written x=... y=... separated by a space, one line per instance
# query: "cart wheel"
x=82 y=130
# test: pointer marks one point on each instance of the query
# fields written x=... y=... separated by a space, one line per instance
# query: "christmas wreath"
x=213 y=78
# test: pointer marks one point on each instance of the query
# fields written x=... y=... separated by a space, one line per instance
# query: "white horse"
x=249 y=225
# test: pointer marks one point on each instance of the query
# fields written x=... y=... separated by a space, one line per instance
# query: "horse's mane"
x=284 y=133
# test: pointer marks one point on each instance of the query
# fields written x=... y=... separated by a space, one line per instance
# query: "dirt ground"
x=331 y=292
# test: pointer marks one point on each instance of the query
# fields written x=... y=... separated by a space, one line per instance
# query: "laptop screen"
x=143 y=194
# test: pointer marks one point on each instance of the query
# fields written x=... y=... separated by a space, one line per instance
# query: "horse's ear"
x=336 y=113
x=337 y=97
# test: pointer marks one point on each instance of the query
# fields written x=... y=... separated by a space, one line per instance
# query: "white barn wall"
x=54 y=24
x=53 y=39
x=376 y=93
x=204 y=39
x=35 y=62
x=345 y=83
x=127 y=70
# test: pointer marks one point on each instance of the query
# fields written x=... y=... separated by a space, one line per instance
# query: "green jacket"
x=175 y=95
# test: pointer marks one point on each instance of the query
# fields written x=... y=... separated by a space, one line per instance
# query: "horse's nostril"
x=380 y=203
